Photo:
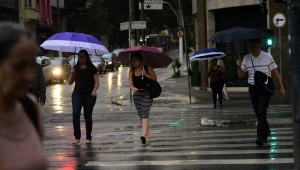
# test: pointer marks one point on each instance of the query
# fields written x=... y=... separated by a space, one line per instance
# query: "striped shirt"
x=264 y=63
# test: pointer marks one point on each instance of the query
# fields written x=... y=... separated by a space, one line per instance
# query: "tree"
x=95 y=23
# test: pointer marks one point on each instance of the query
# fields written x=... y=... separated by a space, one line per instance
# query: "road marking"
x=193 y=162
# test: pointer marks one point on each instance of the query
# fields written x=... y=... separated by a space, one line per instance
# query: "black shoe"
x=143 y=139
x=268 y=133
x=260 y=140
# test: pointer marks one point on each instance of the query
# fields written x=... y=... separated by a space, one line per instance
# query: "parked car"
x=72 y=62
x=111 y=61
x=99 y=63
x=47 y=68
x=61 y=69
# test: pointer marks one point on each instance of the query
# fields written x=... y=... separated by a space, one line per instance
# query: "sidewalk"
x=237 y=111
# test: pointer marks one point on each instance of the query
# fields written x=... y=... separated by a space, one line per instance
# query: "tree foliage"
x=95 y=23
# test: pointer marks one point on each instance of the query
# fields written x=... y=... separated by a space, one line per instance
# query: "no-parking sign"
x=180 y=34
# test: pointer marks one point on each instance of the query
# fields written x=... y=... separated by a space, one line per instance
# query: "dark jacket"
x=39 y=86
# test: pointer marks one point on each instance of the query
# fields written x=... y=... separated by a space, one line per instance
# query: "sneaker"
x=88 y=141
x=76 y=141
x=260 y=140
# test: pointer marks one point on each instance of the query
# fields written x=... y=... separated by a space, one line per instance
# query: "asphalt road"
x=116 y=135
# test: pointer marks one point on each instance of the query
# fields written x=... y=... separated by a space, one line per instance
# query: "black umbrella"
x=237 y=34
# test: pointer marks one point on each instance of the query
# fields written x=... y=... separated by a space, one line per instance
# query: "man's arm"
x=278 y=78
x=241 y=73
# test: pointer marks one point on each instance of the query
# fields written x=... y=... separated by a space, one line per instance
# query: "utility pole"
x=58 y=24
x=143 y=19
x=293 y=11
x=264 y=13
x=180 y=39
x=132 y=6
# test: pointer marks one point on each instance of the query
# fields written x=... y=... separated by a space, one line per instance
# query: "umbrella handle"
x=143 y=74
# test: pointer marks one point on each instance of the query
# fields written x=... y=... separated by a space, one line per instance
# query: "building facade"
x=211 y=16
x=9 y=10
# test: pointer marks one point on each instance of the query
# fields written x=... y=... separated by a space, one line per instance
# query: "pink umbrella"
x=152 y=56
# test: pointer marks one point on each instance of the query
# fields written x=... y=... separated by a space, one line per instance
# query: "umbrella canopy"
x=74 y=42
x=207 y=54
x=236 y=34
x=152 y=56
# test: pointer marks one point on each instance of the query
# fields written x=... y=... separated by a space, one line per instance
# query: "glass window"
x=95 y=59
x=107 y=56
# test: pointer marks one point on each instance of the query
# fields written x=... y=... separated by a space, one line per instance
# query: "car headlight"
x=96 y=66
x=105 y=63
x=110 y=63
x=56 y=71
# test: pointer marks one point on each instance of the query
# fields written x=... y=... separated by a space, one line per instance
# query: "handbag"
x=154 y=87
x=224 y=79
x=263 y=82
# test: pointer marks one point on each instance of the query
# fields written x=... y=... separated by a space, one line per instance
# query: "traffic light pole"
x=293 y=11
x=280 y=53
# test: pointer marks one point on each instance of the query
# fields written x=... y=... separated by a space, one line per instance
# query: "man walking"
x=259 y=60
x=221 y=63
x=38 y=86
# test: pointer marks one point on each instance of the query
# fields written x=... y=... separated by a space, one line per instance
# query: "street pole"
x=280 y=52
x=58 y=24
x=180 y=39
x=143 y=19
x=129 y=32
x=187 y=66
x=132 y=18
x=293 y=11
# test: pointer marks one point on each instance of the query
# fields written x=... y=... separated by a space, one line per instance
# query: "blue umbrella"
x=74 y=42
x=207 y=54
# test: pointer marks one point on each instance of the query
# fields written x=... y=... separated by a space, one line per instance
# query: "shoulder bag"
x=223 y=77
x=263 y=82
x=153 y=87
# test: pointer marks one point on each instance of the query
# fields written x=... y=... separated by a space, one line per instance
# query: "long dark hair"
x=89 y=63
x=139 y=57
x=10 y=35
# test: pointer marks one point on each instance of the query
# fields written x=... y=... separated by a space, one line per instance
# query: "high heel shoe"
x=143 y=139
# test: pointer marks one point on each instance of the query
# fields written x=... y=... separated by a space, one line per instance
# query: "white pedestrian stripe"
x=203 y=147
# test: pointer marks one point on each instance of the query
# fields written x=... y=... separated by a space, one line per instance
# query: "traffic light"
x=269 y=40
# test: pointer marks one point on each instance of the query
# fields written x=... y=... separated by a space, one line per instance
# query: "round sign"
x=279 y=20
x=180 y=34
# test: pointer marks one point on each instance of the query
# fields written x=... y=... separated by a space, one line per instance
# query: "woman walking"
x=215 y=72
x=139 y=75
x=21 y=121
x=84 y=95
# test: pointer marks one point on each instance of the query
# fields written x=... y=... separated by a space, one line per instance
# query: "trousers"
x=87 y=102
x=260 y=102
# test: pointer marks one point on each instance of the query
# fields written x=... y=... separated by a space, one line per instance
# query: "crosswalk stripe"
x=193 y=162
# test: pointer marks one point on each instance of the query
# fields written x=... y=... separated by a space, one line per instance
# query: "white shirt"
x=264 y=63
x=221 y=63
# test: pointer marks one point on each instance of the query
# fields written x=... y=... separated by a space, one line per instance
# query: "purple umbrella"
x=74 y=42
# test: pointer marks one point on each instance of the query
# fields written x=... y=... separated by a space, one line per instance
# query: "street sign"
x=152 y=5
x=124 y=26
x=279 y=20
x=138 y=24
x=180 y=34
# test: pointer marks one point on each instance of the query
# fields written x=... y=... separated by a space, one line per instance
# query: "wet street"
x=116 y=143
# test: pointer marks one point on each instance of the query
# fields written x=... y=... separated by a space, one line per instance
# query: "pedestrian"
x=21 y=121
x=84 y=73
x=139 y=75
x=215 y=72
x=262 y=61
x=221 y=63
x=38 y=86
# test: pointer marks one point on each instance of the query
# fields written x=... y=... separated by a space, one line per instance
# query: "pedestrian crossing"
x=186 y=149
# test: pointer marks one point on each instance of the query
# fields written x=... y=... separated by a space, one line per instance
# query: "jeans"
x=260 y=102
x=216 y=88
x=88 y=103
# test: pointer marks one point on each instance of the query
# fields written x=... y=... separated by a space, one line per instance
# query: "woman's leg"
x=214 y=91
x=77 y=105
x=145 y=127
x=220 y=87
x=88 y=106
